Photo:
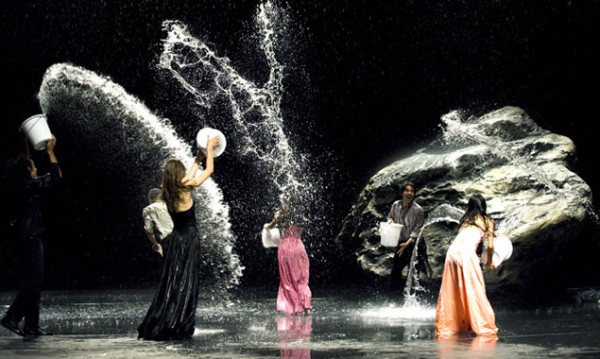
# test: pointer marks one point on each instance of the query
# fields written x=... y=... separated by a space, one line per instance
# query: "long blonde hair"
x=172 y=188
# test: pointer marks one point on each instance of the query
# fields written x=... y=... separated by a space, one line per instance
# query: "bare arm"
x=190 y=179
x=273 y=221
x=490 y=242
x=191 y=173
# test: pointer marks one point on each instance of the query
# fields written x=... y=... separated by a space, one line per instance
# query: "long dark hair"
x=475 y=207
x=173 y=173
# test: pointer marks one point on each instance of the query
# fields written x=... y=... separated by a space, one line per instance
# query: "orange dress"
x=462 y=303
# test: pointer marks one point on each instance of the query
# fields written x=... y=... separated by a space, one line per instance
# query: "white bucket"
x=202 y=140
x=503 y=249
x=37 y=131
x=270 y=237
x=390 y=234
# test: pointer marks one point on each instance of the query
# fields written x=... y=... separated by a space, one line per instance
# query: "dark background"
x=372 y=79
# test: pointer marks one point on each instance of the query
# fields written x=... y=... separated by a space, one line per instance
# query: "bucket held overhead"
x=37 y=130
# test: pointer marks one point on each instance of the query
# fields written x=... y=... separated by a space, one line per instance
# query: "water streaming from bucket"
x=458 y=131
x=90 y=104
x=443 y=213
x=91 y=107
x=254 y=109
x=252 y=114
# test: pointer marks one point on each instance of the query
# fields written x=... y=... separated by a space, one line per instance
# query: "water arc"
x=126 y=143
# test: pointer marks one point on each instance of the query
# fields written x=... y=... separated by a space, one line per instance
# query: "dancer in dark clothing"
x=172 y=314
x=28 y=227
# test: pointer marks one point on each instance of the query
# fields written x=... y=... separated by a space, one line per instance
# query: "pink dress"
x=462 y=303
x=294 y=295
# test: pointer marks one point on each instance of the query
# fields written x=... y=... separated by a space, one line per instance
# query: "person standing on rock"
x=411 y=216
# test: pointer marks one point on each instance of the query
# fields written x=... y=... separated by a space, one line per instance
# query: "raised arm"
x=191 y=173
x=273 y=222
x=50 y=144
x=190 y=178
x=53 y=177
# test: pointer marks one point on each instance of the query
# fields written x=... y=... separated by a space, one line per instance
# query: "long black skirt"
x=172 y=314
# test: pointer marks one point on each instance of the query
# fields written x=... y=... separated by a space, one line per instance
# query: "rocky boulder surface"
x=520 y=168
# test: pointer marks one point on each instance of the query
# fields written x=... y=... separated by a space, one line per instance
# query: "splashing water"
x=391 y=312
x=460 y=130
x=443 y=213
x=101 y=115
x=255 y=110
x=252 y=114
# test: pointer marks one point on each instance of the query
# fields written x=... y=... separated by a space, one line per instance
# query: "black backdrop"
x=376 y=78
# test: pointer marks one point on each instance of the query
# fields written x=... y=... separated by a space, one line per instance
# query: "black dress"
x=172 y=314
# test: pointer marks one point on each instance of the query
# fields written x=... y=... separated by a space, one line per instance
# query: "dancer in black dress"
x=172 y=314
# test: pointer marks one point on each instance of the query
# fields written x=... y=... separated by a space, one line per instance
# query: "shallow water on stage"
x=344 y=325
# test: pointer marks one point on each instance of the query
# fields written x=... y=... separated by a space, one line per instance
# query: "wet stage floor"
x=102 y=324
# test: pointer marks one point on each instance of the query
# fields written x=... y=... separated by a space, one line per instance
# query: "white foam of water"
x=182 y=53
x=394 y=313
x=163 y=134
x=460 y=130
x=200 y=332
x=444 y=213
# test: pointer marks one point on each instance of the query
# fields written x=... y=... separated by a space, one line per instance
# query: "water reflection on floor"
x=103 y=324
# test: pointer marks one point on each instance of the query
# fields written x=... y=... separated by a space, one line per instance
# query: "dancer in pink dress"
x=294 y=296
x=462 y=303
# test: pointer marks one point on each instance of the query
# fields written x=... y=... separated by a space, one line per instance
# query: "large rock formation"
x=521 y=169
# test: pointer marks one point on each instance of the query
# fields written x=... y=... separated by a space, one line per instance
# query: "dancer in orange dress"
x=462 y=303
